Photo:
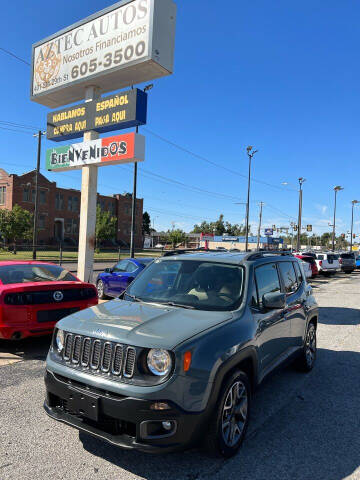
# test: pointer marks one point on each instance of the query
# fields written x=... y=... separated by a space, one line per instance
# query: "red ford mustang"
x=35 y=295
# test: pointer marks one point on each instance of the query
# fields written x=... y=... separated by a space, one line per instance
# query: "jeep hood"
x=141 y=324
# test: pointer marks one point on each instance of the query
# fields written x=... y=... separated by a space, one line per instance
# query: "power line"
x=20 y=125
x=17 y=131
x=15 y=56
x=217 y=165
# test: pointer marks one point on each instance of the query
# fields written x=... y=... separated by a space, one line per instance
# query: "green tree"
x=16 y=224
x=105 y=226
x=146 y=224
x=220 y=227
x=176 y=237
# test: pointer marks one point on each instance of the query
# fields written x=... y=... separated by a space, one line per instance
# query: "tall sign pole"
x=133 y=212
x=89 y=178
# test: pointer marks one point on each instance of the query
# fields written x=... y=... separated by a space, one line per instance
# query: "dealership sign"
x=269 y=231
x=103 y=151
x=122 y=110
x=125 y=44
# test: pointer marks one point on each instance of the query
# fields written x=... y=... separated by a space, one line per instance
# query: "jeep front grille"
x=99 y=356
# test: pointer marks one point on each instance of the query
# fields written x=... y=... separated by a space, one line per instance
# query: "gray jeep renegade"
x=175 y=360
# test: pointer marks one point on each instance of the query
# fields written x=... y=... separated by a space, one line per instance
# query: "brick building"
x=59 y=208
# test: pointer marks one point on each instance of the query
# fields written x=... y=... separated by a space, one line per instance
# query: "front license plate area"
x=83 y=404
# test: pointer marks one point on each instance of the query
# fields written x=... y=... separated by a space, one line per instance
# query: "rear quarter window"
x=288 y=275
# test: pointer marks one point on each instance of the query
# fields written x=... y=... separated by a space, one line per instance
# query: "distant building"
x=59 y=208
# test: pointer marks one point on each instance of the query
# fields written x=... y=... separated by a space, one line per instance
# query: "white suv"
x=328 y=263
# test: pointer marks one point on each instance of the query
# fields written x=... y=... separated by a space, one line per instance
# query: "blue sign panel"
x=269 y=231
x=122 y=110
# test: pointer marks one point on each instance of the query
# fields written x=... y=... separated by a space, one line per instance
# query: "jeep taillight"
x=320 y=263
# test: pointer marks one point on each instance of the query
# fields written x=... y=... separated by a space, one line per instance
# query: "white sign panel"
x=128 y=43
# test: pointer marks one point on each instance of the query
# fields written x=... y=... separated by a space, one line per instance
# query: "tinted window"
x=121 y=266
x=347 y=255
x=308 y=259
x=34 y=273
x=320 y=257
x=190 y=283
x=299 y=276
x=131 y=267
x=288 y=275
x=267 y=280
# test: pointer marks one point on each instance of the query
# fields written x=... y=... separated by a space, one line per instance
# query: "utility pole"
x=36 y=200
x=259 y=228
x=353 y=203
x=336 y=190
x=250 y=154
x=298 y=243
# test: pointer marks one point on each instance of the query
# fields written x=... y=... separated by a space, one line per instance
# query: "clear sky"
x=282 y=76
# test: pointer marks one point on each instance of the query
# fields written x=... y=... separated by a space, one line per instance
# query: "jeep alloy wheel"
x=310 y=346
x=234 y=413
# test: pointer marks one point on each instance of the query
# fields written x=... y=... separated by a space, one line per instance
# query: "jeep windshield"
x=193 y=284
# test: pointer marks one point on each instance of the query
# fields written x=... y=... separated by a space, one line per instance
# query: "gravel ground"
x=303 y=426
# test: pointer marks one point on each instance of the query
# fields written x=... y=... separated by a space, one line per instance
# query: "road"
x=303 y=426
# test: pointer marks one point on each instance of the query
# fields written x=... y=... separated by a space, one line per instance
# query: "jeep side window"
x=288 y=275
x=267 y=280
x=298 y=272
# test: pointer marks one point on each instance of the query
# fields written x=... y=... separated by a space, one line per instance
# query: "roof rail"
x=268 y=253
x=171 y=253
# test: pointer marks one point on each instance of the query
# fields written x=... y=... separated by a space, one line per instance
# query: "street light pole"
x=259 y=229
x=250 y=154
x=36 y=199
x=336 y=190
x=353 y=203
x=298 y=243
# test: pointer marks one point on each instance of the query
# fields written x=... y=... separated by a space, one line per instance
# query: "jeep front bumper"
x=127 y=422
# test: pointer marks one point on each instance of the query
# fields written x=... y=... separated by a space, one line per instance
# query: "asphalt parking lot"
x=302 y=426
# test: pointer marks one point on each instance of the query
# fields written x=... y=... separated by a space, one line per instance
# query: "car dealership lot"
x=303 y=426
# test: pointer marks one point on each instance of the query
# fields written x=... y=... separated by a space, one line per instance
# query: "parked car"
x=176 y=360
x=311 y=261
x=327 y=263
x=307 y=269
x=347 y=262
x=35 y=295
x=115 y=280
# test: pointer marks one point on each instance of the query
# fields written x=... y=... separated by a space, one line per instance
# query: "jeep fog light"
x=60 y=340
x=159 y=361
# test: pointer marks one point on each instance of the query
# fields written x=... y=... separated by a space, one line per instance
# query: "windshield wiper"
x=135 y=299
x=174 y=304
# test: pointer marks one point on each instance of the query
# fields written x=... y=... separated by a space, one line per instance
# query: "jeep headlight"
x=159 y=361
x=59 y=340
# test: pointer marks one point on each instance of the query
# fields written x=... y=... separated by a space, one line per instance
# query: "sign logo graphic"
x=47 y=64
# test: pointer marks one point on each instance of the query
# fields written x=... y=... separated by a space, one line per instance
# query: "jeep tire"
x=307 y=358
x=230 y=418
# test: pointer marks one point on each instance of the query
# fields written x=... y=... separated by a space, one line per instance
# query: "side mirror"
x=108 y=270
x=274 y=300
